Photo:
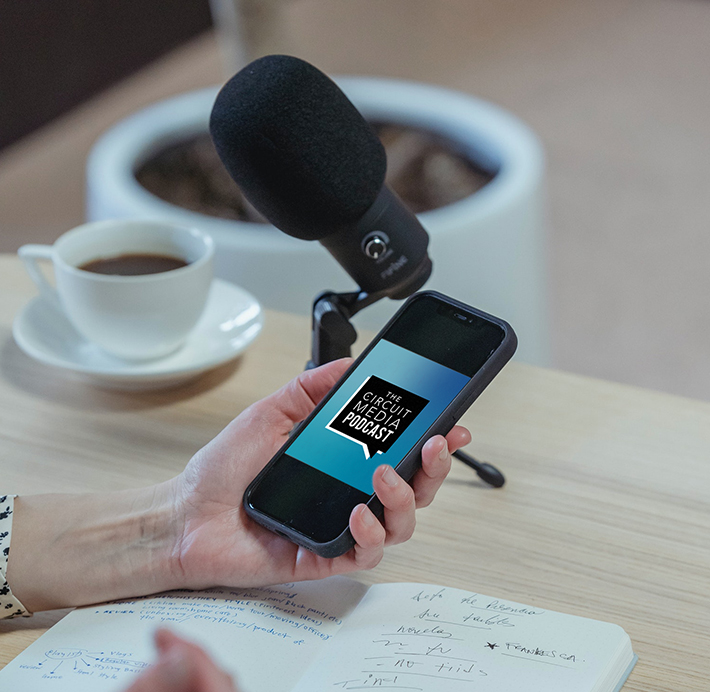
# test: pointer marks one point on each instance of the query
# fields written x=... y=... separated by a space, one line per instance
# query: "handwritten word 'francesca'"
x=536 y=651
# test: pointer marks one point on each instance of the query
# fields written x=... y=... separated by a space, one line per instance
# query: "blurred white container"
x=488 y=249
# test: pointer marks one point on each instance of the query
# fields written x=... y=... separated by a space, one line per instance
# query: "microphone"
x=305 y=157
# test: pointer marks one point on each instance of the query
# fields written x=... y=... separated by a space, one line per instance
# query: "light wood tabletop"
x=606 y=513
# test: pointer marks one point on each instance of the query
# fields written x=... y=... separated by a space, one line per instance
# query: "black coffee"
x=134 y=265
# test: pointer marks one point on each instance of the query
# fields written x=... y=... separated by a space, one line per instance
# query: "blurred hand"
x=181 y=667
x=219 y=544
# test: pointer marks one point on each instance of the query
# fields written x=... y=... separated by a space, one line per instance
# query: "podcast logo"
x=376 y=415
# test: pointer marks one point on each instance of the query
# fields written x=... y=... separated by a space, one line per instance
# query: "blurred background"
x=616 y=90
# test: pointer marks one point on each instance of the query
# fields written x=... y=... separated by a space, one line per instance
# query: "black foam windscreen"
x=300 y=151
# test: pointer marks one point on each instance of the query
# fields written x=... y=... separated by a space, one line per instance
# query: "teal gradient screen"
x=346 y=459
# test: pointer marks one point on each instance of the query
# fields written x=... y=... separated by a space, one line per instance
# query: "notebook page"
x=103 y=649
x=434 y=639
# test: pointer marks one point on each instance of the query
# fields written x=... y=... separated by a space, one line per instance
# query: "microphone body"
x=386 y=250
x=309 y=162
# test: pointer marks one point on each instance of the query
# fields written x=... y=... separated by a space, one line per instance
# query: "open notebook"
x=335 y=634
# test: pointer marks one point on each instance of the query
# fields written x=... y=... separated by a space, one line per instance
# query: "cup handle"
x=29 y=254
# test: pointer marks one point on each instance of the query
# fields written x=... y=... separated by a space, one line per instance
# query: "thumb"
x=295 y=400
x=182 y=667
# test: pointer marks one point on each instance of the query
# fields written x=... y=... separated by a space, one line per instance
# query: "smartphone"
x=415 y=380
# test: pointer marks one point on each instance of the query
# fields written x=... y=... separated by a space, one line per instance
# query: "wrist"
x=70 y=550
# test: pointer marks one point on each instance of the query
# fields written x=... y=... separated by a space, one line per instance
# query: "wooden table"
x=605 y=514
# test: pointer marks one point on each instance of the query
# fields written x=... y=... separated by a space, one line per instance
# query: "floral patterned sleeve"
x=10 y=607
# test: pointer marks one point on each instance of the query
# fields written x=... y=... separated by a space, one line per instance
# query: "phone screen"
x=384 y=407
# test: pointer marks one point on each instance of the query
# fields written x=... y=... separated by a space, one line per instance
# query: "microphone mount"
x=332 y=335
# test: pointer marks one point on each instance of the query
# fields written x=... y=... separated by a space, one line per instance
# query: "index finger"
x=436 y=463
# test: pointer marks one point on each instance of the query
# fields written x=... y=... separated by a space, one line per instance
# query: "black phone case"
x=411 y=462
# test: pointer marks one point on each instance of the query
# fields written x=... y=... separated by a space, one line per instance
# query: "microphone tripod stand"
x=332 y=336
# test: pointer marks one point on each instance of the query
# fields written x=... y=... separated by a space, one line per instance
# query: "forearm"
x=70 y=550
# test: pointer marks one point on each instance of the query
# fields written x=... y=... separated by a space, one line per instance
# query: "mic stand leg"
x=333 y=335
x=486 y=472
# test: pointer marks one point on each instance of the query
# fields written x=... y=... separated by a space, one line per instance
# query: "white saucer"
x=231 y=321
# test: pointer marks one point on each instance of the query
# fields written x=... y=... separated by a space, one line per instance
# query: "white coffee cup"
x=133 y=317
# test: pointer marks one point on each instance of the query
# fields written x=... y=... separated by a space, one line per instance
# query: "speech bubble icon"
x=376 y=415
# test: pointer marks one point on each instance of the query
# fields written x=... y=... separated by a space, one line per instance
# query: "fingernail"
x=174 y=669
x=390 y=477
x=444 y=451
x=367 y=517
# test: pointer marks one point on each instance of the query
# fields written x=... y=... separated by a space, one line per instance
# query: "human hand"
x=181 y=667
x=192 y=531
x=219 y=543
